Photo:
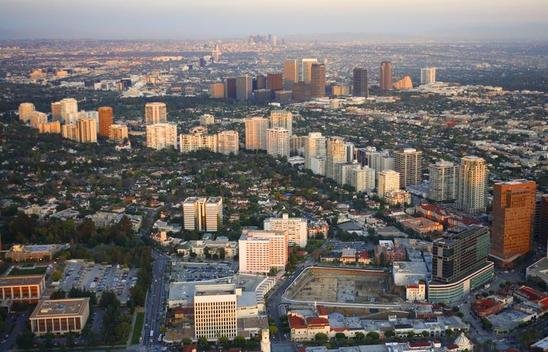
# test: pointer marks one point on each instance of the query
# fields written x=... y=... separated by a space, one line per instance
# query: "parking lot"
x=98 y=278
x=189 y=272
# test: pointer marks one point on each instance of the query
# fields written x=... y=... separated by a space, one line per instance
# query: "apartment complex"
x=255 y=132
x=161 y=135
x=472 y=185
x=443 y=181
x=277 y=142
x=262 y=250
x=203 y=214
x=192 y=142
x=283 y=119
x=25 y=111
x=295 y=228
x=118 y=132
x=228 y=142
x=155 y=113
x=335 y=153
x=408 y=162
x=389 y=181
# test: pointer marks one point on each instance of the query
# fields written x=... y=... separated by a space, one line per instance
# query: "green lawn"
x=137 y=328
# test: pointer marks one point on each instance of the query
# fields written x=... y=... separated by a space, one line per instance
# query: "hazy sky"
x=181 y=19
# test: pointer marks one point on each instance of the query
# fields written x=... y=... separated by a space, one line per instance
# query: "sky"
x=211 y=19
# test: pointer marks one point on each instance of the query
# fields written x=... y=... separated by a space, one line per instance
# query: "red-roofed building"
x=306 y=328
x=486 y=307
x=363 y=258
x=530 y=294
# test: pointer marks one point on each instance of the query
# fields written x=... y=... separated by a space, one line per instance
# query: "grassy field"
x=138 y=327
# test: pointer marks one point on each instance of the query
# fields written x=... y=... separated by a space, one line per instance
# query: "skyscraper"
x=255 y=133
x=277 y=142
x=291 y=71
x=259 y=82
x=25 y=111
x=202 y=214
x=105 y=120
x=217 y=90
x=161 y=135
x=385 y=77
x=243 y=87
x=155 y=113
x=306 y=70
x=317 y=81
x=68 y=106
x=408 y=162
x=336 y=153
x=282 y=118
x=428 y=75
x=459 y=264
x=56 y=111
x=230 y=88
x=274 y=81
x=228 y=142
x=300 y=92
x=314 y=147
x=472 y=185
x=443 y=181
x=87 y=130
x=389 y=181
x=360 y=86
x=513 y=213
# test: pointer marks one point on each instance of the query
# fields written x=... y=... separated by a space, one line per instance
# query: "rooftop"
x=60 y=307
x=21 y=280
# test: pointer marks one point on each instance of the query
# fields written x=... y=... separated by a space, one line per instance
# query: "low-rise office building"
x=60 y=316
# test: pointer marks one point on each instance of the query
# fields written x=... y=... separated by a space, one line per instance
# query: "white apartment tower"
x=443 y=181
x=161 y=135
x=389 y=181
x=202 y=214
x=296 y=228
x=314 y=147
x=428 y=75
x=260 y=251
x=336 y=153
x=228 y=142
x=255 y=133
x=472 y=185
x=277 y=142
x=25 y=111
x=282 y=118
x=408 y=162
x=155 y=112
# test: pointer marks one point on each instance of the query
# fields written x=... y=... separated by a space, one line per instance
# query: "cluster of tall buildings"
x=202 y=214
x=270 y=134
x=67 y=120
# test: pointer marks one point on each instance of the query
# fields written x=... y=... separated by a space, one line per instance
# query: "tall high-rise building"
x=161 y=135
x=300 y=92
x=228 y=142
x=282 y=118
x=87 y=130
x=385 y=76
x=230 y=88
x=274 y=81
x=25 y=111
x=70 y=131
x=360 y=87
x=68 y=106
x=56 y=111
x=314 y=147
x=362 y=178
x=277 y=142
x=259 y=82
x=215 y=308
x=118 y=132
x=155 y=113
x=513 y=214
x=408 y=162
x=295 y=228
x=317 y=81
x=37 y=118
x=50 y=127
x=291 y=71
x=389 y=181
x=217 y=90
x=428 y=75
x=335 y=153
x=202 y=214
x=106 y=119
x=443 y=181
x=255 y=132
x=379 y=161
x=459 y=264
x=243 y=87
x=472 y=185
x=260 y=251
x=306 y=70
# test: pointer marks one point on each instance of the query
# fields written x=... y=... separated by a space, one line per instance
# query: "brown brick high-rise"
x=105 y=120
x=513 y=213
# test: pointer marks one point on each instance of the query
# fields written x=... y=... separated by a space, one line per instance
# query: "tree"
x=239 y=341
x=224 y=342
x=25 y=340
x=203 y=344
x=273 y=329
x=359 y=337
x=389 y=334
x=372 y=337
x=321 y=338
x=187 y=341
x=425 y=333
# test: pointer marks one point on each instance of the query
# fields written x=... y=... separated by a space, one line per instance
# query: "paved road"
x=155 y=306
x=19 y=322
